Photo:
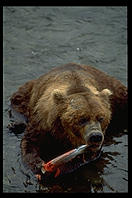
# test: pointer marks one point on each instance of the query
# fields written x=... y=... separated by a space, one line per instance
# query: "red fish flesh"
x=69 y=161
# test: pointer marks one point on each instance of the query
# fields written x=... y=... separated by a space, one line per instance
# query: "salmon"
x=69 y=161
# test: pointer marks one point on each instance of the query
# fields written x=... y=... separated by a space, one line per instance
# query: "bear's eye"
x=83 y=121
x=100 y=119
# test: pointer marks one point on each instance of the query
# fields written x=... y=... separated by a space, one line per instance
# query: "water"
x=37 y=39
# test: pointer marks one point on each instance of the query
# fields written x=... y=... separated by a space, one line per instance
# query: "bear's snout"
x=94 y=139
x=94 y=136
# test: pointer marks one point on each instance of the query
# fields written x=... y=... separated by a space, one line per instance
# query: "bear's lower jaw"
x=94 y=147
x=91 y=155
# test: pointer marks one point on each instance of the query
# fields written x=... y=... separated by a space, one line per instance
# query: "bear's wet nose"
x=95 y=137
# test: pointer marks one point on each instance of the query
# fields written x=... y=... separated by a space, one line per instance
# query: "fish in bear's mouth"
x=71 y=160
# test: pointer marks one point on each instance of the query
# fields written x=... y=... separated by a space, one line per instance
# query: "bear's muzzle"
x=93 y=135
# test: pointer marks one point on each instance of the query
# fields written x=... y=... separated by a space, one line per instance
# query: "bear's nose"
x=95 y=137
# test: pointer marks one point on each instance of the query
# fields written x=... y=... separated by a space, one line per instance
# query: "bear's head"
x=77 y=117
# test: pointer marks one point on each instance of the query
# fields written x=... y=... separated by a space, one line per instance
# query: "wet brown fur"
x=55 y=103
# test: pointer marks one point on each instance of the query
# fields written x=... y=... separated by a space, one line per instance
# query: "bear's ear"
x=58 y=96
x=106 y=92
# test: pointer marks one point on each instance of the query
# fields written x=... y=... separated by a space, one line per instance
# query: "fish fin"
x=57 y=172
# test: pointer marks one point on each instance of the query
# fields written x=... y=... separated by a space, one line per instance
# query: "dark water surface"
x=37 y=39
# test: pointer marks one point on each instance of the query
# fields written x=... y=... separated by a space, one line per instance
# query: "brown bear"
x=69 y=106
